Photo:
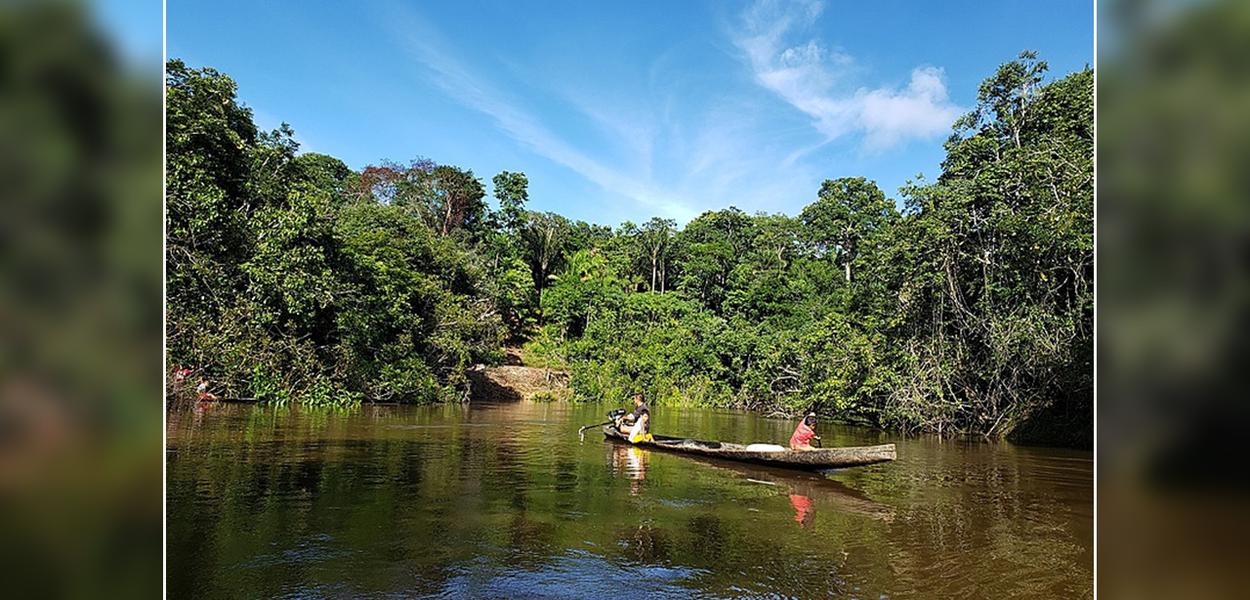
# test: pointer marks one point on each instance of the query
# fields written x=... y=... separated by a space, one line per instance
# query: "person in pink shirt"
x=804 y=433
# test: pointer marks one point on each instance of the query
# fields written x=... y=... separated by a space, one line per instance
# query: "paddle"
x=581 y=433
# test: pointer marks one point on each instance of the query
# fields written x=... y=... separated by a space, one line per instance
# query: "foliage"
x=965 y=306
x=292 y=278
x=968 y=311
x=512 y=192
x=846 y=212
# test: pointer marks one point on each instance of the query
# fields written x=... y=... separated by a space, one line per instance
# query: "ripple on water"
x=574 y=574
x=313 y=549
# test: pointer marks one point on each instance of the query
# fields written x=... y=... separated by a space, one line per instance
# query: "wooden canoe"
x=820 y=458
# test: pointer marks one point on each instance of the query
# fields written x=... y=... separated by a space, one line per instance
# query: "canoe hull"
x=820 y=458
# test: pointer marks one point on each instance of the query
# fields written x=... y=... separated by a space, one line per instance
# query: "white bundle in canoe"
x=765 y=448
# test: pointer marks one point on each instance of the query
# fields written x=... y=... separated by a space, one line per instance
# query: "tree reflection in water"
x=506 y=501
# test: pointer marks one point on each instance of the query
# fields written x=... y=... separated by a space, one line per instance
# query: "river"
x=504 y=500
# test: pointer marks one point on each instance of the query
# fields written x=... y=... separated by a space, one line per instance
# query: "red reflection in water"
x=802 y=509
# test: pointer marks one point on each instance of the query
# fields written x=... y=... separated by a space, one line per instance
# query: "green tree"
x=587 y=286
x=512 y=192
x=209 y=138
x=846 y=211
x=711 y=246
x=456 y=201
x=655 y=238
x=1003 y=278
x=545 y=237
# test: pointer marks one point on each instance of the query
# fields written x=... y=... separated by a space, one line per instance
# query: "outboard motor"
x=614 y=415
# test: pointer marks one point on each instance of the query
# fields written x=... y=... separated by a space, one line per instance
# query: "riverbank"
x=963 y=305
x=514 y=381
x=526 y=376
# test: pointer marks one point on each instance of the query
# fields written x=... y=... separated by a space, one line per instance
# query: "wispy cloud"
x=811 y=77
x=673 y=148
x=459 y=82
x=634 y=130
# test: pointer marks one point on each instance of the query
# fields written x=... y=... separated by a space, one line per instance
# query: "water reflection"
x=629 y=462
x=504 y=500
x=802 y=509
x=804 y=488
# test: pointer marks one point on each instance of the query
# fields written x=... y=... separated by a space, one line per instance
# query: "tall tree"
x=457 y=200
x=1004 y=262
x=846 y=211
x=512 y=192
x=712 y=245
x=209 y=142
x=656 y=239
x=390 y=183
x=323 y=172
x=545 y=236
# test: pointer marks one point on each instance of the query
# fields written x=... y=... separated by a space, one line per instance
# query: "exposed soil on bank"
x=514 y=381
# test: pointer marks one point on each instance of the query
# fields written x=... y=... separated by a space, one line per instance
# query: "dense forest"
x=965 y=306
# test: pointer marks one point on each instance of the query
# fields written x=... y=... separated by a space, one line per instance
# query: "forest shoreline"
x=964 y=305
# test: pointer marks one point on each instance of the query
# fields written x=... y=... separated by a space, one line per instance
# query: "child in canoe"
x=805 y=433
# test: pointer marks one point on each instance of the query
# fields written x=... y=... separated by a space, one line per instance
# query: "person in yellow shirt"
x=636 y=425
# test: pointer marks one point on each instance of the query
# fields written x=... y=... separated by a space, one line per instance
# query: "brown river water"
x=505 y=501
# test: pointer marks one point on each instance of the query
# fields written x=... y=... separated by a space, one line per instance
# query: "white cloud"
x=809 y=77
x=921 y=110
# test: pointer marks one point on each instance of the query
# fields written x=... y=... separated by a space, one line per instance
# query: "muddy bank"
x=514 y=381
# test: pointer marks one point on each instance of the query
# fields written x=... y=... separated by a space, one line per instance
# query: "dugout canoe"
x=820 y=458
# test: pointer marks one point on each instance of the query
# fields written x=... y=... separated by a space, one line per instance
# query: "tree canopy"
x=965 y=305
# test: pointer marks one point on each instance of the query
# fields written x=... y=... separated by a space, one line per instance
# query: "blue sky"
x=628 y=110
